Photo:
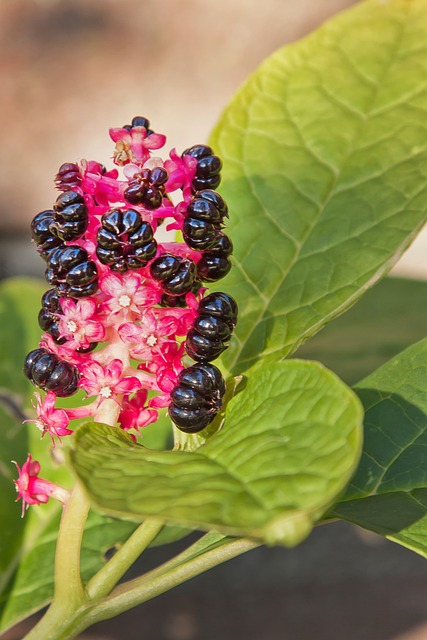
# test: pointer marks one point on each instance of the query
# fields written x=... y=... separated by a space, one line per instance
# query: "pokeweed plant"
x=324 y=152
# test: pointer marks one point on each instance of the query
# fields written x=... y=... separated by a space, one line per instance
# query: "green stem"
x=69 y=590
x=103 y=582
x=162 y=579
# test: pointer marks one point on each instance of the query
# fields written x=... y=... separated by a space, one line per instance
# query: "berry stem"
x=103 y=582
x=169 y=575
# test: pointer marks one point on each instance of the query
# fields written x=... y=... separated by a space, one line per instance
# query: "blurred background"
x=69 y=70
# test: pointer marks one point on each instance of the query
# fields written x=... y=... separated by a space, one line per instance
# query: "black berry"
x=70 y=216
x=208 y=167
x=125 y=241
x=71 y=271
x=48 y=372
x=220 y=305
x=68 y=176
x=212 y=267
x=176 y=274
x=197 y=398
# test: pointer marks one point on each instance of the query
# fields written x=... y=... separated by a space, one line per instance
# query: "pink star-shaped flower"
x=34 y=490
x=128 y=293
x=135 y=412
x=148 y=337
x=107 y=382
x=181 y=172
x=77 y=323
x=50 y=420
x=134 y=145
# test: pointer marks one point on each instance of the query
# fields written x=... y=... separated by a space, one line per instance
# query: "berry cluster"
x=125 y=310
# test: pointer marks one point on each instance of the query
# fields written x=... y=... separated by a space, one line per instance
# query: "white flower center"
x=105 y=392
x=71 y=326
x=124 y=300
x=151 y=340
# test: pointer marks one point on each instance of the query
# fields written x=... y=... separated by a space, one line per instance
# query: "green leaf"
x=325 y=155
x=289 y=445
x=18 y=334
x=388 y=494
x=388 y=319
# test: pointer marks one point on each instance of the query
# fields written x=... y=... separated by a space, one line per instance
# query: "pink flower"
x=135 y=412
x=34 y=490
x=50 y=420
x=106 y=382
x=181 y=173
x=134 y=145
x=77 y=323
x=148 y=337
x=128 y=293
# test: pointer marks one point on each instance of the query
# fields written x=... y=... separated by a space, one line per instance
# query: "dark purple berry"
x=206 y=183
x=206 y=379
x=212 y=267
x=219 y=305
x=70 y=216
x=68 y=176
x=201 y=348
x=204 y=209
x=198 y=151
x=199 y=234
x=214 y=328
x=47 y=371
x=208 y=167
x=165 y=266
x=191 y=420
x=197 y=398
x=125 y=241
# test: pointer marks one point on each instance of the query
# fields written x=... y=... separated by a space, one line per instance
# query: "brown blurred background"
x=69 y=70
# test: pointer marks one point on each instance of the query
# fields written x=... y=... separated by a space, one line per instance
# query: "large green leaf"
x=388 y=319
x=324 y=152
x=290 y=442
x=389 y=491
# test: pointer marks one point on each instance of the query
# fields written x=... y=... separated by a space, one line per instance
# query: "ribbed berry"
x=48 y=372
x=197 y=398
x=176 y=274
x=147 y=188
x=207 y=339
x=68 y=176
x=208 y=167
x=71 y=271
x=48 y=318
x=125 y=241
x=70 y=216
x=208 y=205
x=219 y=305
x=212 y=267
x=139 y=121
x=43 y=237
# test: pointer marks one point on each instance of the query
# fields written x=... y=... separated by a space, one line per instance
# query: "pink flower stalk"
x=34 y=490
x=123 y=306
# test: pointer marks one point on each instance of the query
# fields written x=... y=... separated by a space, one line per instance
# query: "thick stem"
x=69 y=595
